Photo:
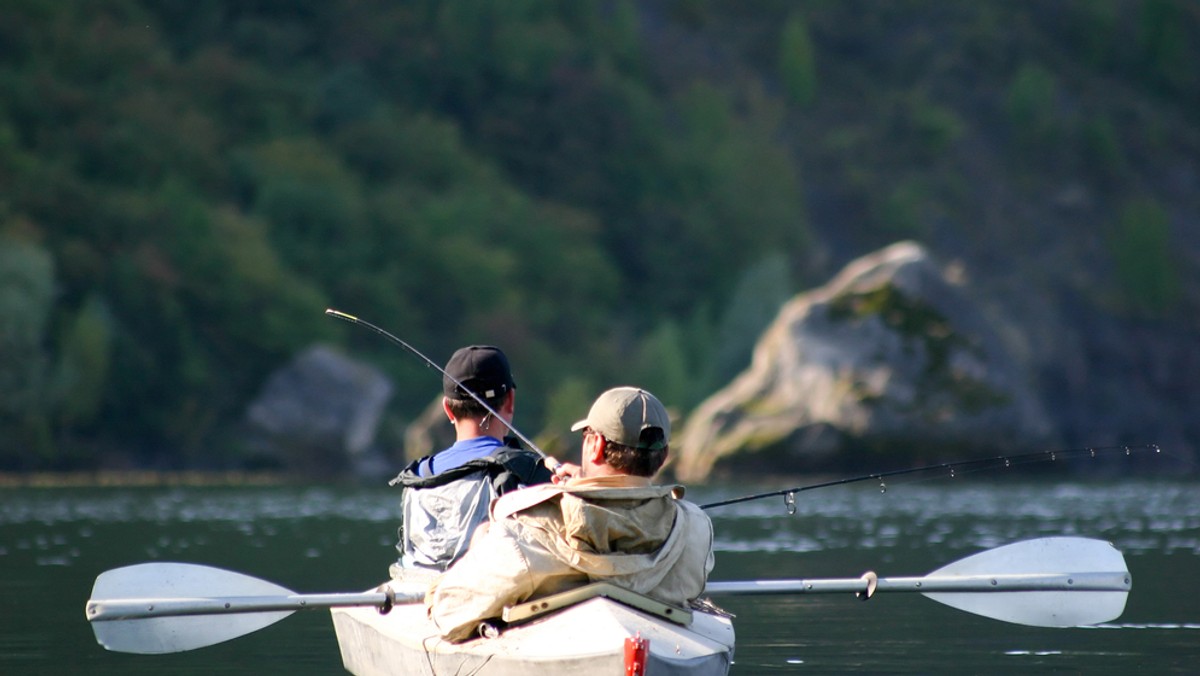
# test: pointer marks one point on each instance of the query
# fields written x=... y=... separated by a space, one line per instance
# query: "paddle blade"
x=157 y=635
x=1053 y=555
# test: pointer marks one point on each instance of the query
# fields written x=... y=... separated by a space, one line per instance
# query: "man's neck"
x=475 y=428
x=598 y=469
x=616 y=480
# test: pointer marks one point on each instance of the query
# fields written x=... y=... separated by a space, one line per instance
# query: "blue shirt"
x=458 y=454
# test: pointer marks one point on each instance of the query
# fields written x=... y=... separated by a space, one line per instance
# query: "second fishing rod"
x=951 y=469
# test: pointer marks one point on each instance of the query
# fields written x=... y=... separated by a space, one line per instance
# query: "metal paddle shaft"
x=1047 y=582
x=134 y=609
x=929 y=584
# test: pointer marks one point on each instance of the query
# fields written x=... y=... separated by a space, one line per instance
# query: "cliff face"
x=893 y=353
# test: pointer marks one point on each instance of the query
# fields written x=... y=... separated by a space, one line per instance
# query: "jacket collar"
x=599 y=488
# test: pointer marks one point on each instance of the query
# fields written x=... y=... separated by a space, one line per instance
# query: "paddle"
x=1047 y=582
x=153 y=608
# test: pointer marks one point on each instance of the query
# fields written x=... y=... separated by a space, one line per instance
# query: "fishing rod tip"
x=339 y=314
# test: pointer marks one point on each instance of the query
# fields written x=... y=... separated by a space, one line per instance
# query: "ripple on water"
x=1035 y=653
x=191 y=505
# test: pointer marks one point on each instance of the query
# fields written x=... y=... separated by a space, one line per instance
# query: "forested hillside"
x=613 y=191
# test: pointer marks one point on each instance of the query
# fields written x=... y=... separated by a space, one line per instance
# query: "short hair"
x=635 y=461
x=471 y=408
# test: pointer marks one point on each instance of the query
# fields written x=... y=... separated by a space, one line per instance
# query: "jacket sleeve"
x=517 y=468
x=492 y=574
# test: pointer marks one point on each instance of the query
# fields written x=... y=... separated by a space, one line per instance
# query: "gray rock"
x=892 y=353
x=320 y=413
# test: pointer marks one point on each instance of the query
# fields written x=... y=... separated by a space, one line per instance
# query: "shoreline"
x=142 y=478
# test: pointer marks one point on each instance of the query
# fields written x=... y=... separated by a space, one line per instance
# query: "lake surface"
x=53 y=543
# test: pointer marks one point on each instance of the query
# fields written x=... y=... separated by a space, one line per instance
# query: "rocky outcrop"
x=893 y=352
x=319 y=414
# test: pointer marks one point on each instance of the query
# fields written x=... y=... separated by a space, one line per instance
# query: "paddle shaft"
x=1081 y=582
x=130 y=609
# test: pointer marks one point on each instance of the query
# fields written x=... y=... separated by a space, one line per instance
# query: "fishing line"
x=430 y=363
x=954 y=468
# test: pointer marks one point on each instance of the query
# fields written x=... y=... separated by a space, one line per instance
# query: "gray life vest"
x=440 y=513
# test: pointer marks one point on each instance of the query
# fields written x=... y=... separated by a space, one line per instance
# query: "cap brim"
x=579 y=425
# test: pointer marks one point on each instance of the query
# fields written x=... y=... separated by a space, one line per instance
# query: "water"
x=53 y=542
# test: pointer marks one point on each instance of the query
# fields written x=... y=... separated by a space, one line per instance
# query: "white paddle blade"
x=157 y=635
x=1053 y=555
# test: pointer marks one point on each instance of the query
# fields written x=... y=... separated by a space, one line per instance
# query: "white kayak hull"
x=582 y=640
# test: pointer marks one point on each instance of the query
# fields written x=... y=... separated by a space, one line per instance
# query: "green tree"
x=1162 y=39
x=1147 y=269
x=760 y=293
x=662 y=367
x=736 y=197
x=1033 y=106
x=26 y=299
x=797 y=64
x=85 y=357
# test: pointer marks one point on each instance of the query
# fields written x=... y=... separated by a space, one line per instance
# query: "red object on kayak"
x=637 y=649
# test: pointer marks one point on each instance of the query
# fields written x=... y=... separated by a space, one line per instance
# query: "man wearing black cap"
x=602 y=520
x=446 y=495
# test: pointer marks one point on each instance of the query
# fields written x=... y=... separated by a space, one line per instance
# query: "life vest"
x=441 y=512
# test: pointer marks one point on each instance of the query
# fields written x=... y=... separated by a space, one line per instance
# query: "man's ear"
x=446 y=409
x=594 y=453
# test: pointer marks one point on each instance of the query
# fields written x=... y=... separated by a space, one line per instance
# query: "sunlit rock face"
x=892 y=354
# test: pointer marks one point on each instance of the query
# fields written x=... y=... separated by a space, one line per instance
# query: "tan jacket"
x=548 y=538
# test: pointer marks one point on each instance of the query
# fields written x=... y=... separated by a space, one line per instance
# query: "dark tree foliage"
x=214 y=174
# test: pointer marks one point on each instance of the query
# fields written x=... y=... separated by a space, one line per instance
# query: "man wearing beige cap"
x=603 y=520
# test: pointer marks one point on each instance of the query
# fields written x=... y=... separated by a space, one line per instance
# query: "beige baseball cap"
x=629 y=416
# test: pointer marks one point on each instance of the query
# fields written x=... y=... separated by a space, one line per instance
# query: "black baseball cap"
x=481 y=368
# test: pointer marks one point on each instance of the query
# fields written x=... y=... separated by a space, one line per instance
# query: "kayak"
x=599 y=629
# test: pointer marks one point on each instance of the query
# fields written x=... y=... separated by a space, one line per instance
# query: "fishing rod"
x=546 y=460
x=789 y=494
